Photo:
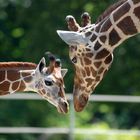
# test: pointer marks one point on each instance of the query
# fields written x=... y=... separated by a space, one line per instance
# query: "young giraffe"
x=47 y=81
x=92 y=46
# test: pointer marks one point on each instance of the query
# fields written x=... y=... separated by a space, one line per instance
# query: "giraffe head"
x=89 y=56
x=48 y=82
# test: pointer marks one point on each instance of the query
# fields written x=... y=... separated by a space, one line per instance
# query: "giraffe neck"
x=15 y=80
x=121 y=24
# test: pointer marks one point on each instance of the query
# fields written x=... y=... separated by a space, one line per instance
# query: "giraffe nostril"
x=66 y=104
x=63 y=107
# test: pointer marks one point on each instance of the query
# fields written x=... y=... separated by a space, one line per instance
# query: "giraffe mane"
x=109 y=10
x=17 y=65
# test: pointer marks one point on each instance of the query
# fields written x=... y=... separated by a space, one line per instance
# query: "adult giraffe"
x=91 y=47
x=46 y=81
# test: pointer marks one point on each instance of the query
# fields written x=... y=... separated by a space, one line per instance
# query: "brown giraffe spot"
x=135 y=1
x=78 y=54
x=4 y=86
x=108 y=59
x=93 y=38
x=100 y=70
x=89 y=81
x=24 y=74
x=82 y=88
x=97 y=64
x=97 y=29
x=2 y=76
x=103 y=38
x=93 y=71
x=22 y=86
x=101 y=54
x=121 y=11
x=87 y=61
x=87 y=49
x=43 y=91
x=127 y=26
x=28 y=79
x=97 y=78
x=83 y=73
x=83 y=54
x=79 y=51
x=114 y=37
x=97 y=46
x=15 y=86
x=137 y=12
x=88 y=34
x=106 y=25
x=87 y=71
x=89 y=55
x=13 y=75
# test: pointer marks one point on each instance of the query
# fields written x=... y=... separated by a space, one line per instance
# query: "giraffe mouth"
x=63 y=107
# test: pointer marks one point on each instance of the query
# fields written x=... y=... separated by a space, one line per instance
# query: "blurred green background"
x=27 y=31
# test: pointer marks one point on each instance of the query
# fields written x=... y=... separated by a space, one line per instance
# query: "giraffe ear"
x=72 y=38
x=41 y=65
x=63 y=72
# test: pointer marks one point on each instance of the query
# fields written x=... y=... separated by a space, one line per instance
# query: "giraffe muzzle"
x=63 y=107
x=80 y=101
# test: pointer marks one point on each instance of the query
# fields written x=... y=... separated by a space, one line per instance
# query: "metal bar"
x=115 y=98
x=72 y=122
x=21 y=96
x=39 y=130
x=33 y=130
x=107 y=132
x=96 y=98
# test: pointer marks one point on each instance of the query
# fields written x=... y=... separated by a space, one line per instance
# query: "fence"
x=71 y=130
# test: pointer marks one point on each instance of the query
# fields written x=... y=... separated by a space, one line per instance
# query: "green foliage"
x=28 y=30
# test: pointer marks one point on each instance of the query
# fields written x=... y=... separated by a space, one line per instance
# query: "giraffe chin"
x=80 y=101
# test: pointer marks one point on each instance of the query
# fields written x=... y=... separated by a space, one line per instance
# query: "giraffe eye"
x=74 y=60
x=48 y=83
